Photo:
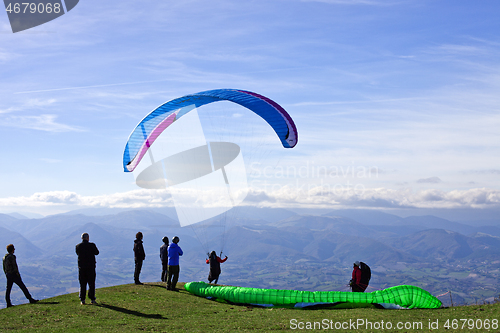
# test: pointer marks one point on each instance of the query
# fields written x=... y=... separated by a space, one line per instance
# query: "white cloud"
x=431 y=180
x=131 y=199
x=368 y=101
x=4 y=56
x=42 y=199
x=278 y=197
x=33 y=103
x=321 y=197
x=44 y=122
x=102 y=94
x=461 y=49
x=8 y=110
x=483 y=172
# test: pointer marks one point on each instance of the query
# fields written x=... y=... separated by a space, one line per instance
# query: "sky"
x=396 y=102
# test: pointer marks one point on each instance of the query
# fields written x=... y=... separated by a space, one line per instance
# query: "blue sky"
x=406 y=93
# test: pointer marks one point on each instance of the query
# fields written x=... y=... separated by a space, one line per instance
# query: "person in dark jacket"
x=139 y=256
x=214 y=262
x=13 y=276
x=174 y=251
x=164 y=259
x=86 y=252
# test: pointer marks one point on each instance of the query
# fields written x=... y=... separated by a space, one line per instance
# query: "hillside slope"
x=150 y=307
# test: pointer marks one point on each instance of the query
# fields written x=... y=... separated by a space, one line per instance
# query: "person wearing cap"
x=86 y=252
x=164 y=259
x=139 y=256
x=355 y=282
x=13 y=276
x=174 y=251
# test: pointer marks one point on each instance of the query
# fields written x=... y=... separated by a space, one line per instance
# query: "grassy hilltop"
x=151 y=308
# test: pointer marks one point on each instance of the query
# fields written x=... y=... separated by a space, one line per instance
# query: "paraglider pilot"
x=355 y=282
x=214 y=262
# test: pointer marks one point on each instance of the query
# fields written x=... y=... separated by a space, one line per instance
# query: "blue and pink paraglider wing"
x=159 y=119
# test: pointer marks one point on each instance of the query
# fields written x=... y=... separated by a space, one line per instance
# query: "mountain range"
x=261 y=242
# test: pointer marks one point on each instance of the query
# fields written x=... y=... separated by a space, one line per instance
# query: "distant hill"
x=108 y=242
x=490 y=230
x=248 y=244
x=376 y=219
x=138 y=219
x=265 y=214
x=102 y=211
x=7 y=221
x=17 y=216
x=345 y=249
x=433 y=222
x=445 y=244
x=24 y=248
x=433 y=243
x=26 y=215
x=485 y=247
x=344 y=225
x=367 y=216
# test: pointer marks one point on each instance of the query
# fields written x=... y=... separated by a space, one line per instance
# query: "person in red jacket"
x=214 y=262
x=355 y=282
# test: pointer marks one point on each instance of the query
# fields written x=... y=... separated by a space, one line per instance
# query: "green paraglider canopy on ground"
x=408 y=297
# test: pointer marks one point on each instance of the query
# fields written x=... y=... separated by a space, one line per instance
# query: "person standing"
x=174 y=251
x=86 y=252
x=139 y=256
x=164 y=259
x=13 y=276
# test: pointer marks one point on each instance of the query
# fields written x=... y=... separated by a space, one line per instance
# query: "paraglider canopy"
x=162 y=117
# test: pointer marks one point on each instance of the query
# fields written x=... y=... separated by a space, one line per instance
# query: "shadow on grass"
x=156 y=285
x=161 y=286
x=131 y=312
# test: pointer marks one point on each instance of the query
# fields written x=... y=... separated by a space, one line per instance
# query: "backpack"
x=214 y=266
x=366 y=274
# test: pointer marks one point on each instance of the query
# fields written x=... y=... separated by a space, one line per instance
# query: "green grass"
x=151 y=308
